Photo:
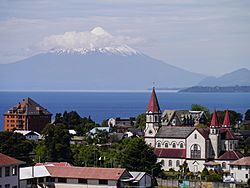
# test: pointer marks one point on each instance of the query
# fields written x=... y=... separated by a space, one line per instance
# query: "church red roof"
x=226 y=122
x=227 y=134
x=214 y=122
x=231 y=155
x=153 y=105
x=170 y=153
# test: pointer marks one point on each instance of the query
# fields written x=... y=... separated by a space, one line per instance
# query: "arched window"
x=181 y=145
x=224 y=165
x=177 y=163
x=195 y=151
x=174 y=145
x=170 y=163
x=195 y=136
x=166 y=145
x=158 y=144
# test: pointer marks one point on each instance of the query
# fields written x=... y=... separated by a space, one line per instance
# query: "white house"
x=141 y=179
x=29 y=135
x=240 y=170
x=9 y=171
x=196 y=146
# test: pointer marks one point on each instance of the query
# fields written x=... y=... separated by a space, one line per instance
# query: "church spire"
x=214 y=122
x=226 y=122
x=153 y=105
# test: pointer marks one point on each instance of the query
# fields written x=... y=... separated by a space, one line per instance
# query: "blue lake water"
x=103 y=105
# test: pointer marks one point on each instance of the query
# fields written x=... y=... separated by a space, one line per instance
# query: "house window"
x=7 y=171
x=170 y=163
x=174 y=145
x=0 y=172
x=158 y=144
x=246 y=176
x=162 y=162
x=239 y=167
x=40 y=180
x=181 y=145
x=14 y=171
x=195 y=136
x=82 y=181
x=195 y=151
x=14 y=186
x=223 y=165
x=177 y=163
x=166 y=145
x=103 y=182
x=7 y=185
x=62 y=180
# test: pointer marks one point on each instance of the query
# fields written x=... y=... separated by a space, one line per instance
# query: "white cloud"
x=96 y=38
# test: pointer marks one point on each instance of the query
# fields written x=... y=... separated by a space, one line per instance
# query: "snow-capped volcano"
x=97 y=40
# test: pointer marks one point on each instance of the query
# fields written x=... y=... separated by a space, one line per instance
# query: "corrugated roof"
x=244 y=161
x=170 y=153
x=86 y=172
x=7 y=160
x=174 y=132
x=153 y=105
x=231 y=155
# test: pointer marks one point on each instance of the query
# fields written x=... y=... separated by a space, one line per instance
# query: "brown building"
x=26 y=115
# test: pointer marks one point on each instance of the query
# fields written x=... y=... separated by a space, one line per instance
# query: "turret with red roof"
x=226 y=122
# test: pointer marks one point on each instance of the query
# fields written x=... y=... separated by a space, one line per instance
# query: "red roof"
x=170 y=153
x=226 y=122
x=231 y=155
x=227 y=134
x=53 y=164
x=214 y=122
x=245 y=161
x=7 y=160
x=153 y=105
x=86 y=172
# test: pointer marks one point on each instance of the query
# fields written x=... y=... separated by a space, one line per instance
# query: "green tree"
x=247 y=146
x=247 y=115
x=141 y=121
x=57 y=142
x=87 y=156
x=16 y=145
x=41 y=153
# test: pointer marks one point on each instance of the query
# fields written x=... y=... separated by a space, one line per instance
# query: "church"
x=214 y=147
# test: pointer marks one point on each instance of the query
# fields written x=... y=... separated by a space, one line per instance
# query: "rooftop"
x=244 y=161
x=7 y=160
x=174 y=132
x=170 y=153
x=231 y=155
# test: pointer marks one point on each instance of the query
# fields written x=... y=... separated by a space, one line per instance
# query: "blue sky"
x=209 y=36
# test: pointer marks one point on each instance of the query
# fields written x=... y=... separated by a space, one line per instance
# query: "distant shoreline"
x=216 y=89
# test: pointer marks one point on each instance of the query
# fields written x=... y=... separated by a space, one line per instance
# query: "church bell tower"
x=153 y=120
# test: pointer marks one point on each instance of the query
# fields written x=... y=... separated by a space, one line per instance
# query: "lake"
x=103 y=105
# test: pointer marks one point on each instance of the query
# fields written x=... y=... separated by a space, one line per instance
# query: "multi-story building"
x=26 y=115
x=196 y=146
x=9 y=171
x=240 y=170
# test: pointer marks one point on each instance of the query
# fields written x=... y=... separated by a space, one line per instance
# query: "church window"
x=223 y=165
x=195 y=136
x=150 y=132
x=195 y=151
x=181 y=145
x=166 y=145
x=156 y=119
x=174 y=145
x=231 y=146
x=225 y=146
x=170 y=163
x=177 y=163
x=159 y=145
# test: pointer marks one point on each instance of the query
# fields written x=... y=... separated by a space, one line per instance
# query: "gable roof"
x=244 y=161
x=174 y=132
x=226 y=122
x=25 y=132
x=7 y=160
x=29 y=107
x=204 y=132
x=153 y=105
x=231 y=155
x=227 y=134
x=214 y=122
x=170 y=153
x=86 y=172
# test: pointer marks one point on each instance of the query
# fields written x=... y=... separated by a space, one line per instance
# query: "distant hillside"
x=239 y=77
x=95 y=69
x=229 y=89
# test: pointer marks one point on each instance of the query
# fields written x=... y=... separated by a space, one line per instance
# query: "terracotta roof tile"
x=231 y=155
x=7 y=160
x=86 y=172
x=153 y=105
x=170 y=153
